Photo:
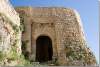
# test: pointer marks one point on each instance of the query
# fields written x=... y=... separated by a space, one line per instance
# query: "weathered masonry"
x=54 y=34
x=49 y=35
x=10 y=34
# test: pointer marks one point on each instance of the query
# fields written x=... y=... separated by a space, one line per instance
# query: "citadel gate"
x=44 y=49
x=53 y=34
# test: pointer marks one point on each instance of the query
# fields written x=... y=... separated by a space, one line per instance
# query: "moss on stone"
x=24 y=47
x=2 y=56
x=0 y=39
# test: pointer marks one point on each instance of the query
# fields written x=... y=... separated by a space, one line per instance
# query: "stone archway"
x=44 y=50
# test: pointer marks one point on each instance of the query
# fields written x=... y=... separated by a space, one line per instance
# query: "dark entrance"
x=44 y=49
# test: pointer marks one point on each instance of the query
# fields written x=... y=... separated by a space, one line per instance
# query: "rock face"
x=54 y=34
x=10 y=34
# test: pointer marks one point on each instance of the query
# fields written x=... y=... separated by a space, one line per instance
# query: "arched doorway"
x=44 y=50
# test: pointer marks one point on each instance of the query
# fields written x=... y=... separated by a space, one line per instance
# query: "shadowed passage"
x=44 y=50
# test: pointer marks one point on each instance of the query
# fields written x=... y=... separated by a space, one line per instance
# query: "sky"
x=88 y=10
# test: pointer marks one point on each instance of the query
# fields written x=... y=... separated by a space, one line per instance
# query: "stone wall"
x=64 y=27
x=77 y=52
x=7 y=9
x=10 y=34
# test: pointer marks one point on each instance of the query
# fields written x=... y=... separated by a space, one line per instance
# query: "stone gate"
x=53 y=34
